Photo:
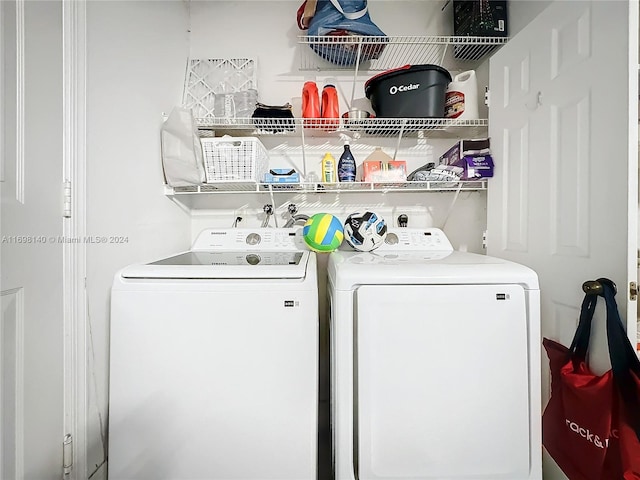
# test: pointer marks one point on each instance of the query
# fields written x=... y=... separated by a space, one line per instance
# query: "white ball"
x=365 y=231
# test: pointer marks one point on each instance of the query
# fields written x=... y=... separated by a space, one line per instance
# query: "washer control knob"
x=253 y=259
x=391 y=239
x=253 y=239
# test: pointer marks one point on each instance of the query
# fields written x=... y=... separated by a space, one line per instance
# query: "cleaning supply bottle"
x=347 y=165
x=328 y=168
x=461 y=100
x=330 y=108
x=310 y=103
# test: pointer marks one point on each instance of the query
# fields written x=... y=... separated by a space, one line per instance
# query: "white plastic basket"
x=234 y=159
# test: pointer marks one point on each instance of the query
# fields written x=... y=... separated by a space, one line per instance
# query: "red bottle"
x=310 y=102
x=330 y=109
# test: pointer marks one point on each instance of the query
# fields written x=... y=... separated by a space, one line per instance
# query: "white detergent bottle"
x=462 y=97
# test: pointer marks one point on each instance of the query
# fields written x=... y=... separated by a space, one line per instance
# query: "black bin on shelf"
x=411 y=91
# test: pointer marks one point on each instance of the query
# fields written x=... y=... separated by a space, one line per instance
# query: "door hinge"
x=487 y=96
x=484 y=239
x=67 y=454
x=66 y=206
x=633 y=291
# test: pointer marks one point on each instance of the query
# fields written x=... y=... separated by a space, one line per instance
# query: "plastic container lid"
x=403 y=70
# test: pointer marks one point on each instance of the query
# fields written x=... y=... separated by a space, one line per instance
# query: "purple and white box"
x=473 y=156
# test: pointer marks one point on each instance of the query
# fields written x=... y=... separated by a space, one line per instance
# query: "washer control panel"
x=250 y=239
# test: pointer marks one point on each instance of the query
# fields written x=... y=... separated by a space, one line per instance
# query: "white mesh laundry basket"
x=234 y=159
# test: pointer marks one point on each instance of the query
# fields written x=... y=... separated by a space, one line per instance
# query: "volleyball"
x=365 y=231
x=323 y=232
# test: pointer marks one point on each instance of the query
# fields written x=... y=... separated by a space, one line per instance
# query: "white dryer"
x=214 y=361
x=435 y=363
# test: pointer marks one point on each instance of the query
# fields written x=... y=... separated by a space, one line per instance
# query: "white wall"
x=136 y=57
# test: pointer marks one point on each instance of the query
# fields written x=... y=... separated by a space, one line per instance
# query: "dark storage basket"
x=412 y=91
x=478 y=18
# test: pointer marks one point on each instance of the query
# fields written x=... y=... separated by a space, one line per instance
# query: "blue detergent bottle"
x=347 y=165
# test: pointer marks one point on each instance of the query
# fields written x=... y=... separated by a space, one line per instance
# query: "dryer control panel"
x=413 y=239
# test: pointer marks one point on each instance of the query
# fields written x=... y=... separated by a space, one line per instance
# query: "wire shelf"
x=345 y=52
x=344 y=187
x=321 y=127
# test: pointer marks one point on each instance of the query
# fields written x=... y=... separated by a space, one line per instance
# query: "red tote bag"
x=591 y=425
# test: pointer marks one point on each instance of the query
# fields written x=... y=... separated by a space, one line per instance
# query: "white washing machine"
x=214 y=361
x=435 y=363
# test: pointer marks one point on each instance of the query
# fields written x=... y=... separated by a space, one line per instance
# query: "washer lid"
x=224 y=265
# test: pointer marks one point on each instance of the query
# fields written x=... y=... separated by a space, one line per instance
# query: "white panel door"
x=563 y=127
x=31 y=328
x=442 y=383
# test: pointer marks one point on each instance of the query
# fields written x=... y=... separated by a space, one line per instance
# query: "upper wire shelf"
x=338 y=187
x=328 y=52
x=322 y=127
